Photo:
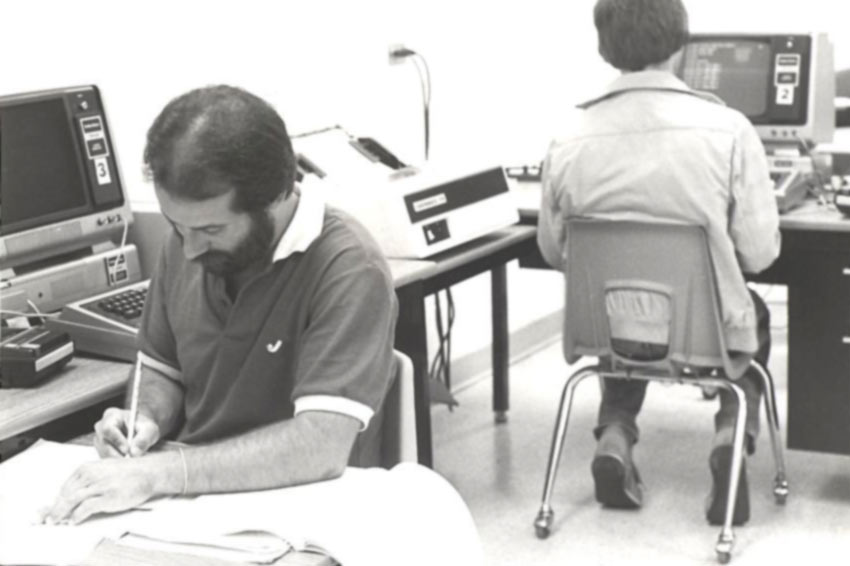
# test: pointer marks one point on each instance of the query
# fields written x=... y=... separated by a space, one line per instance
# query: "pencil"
x=134 y=404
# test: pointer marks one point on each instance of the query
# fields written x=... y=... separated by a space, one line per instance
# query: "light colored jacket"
x=651 y=148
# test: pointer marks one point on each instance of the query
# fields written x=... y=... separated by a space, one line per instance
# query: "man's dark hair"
x=636 y=33
x=221 y=136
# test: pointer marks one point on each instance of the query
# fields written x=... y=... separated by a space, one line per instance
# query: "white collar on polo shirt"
x=305 y=227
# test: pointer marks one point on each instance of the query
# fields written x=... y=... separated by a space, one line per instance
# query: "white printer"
x=411 y=212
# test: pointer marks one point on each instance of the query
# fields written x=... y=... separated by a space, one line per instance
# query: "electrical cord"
x=440 y=368
x=124 y=234
x=38 y=313
x=425 y=80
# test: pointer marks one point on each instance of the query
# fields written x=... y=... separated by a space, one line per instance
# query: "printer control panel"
x=436 y=231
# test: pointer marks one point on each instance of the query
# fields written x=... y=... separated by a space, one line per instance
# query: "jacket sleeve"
x=754 y=218
x=551 y=224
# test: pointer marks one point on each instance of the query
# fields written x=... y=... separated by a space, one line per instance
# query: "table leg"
x=501 y=347
x=411 y=338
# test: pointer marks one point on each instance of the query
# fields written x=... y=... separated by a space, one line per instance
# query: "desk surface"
x=83 y=383
x=809 y=216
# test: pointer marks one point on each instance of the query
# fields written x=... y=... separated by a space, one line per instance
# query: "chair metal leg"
x=543 y=522
x=726 y=540
x=780 y=483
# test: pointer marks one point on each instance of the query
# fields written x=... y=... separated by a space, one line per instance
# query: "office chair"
x=670 y=266
x=398 y=440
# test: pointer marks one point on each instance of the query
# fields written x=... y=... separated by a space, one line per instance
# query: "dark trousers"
x=623 y=399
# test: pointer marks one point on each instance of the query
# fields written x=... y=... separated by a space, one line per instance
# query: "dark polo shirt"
x=313 y=332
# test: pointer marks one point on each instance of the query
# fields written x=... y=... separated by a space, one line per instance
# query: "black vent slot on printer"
x=455 y=194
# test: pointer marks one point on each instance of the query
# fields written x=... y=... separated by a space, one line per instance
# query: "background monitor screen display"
x=60 y=189
x=738 y=72
x=783 y=83
x=41 y=174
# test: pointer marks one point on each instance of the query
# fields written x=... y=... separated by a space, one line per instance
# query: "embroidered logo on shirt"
x=272 y=348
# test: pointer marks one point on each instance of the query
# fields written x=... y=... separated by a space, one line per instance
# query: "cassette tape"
x=31 y=355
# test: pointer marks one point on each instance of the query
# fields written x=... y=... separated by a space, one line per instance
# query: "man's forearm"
x=313 y=446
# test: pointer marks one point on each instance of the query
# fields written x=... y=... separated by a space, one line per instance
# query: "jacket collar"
x=647 y=80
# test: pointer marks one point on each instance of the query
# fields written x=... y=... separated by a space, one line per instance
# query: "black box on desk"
x=841 y=163
x=31 y=355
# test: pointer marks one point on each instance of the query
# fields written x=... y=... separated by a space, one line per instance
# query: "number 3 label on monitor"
x=101 y=168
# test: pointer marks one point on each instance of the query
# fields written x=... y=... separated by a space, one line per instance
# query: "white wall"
x=498 y=70
x=505 y=75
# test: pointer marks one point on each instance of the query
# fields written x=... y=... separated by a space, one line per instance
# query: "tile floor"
x=499 y=469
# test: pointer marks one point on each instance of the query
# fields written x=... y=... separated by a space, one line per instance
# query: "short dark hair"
x=221 y=133
x=634 y=34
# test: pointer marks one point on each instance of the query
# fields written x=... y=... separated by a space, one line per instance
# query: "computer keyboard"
x=123 y=306
x=105 y=324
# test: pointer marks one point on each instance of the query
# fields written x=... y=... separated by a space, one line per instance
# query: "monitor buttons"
x=96 y=147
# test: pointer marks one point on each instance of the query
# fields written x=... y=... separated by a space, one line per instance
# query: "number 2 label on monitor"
x=785 y=94
x=101 y=169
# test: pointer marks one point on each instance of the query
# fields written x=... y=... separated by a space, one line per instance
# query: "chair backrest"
x=651 y=279
x=398 y=440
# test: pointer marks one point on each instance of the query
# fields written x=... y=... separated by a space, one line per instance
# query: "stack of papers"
x=250 y=546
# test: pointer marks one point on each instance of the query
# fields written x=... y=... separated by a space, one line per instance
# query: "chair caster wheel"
x=709 y=392
x=724 y=547
x=780 y=492
x=543 y=523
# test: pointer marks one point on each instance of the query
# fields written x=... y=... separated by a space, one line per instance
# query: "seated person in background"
x=650 y=148
x=266 y=341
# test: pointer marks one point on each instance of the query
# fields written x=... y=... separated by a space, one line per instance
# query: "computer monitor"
x=60 y=188
x=784 y=84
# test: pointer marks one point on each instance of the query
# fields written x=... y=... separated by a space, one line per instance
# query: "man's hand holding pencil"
x=112 y=434
x=123 y=433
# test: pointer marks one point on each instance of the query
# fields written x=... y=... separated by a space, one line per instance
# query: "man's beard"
x=253 y=248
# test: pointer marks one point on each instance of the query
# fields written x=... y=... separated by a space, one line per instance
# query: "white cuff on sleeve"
x=162 y=368
x=332 y=404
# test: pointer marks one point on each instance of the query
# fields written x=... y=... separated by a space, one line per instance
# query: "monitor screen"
x=59 y=183
x=784 y=84
x=41 y=174
x=736 y=71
